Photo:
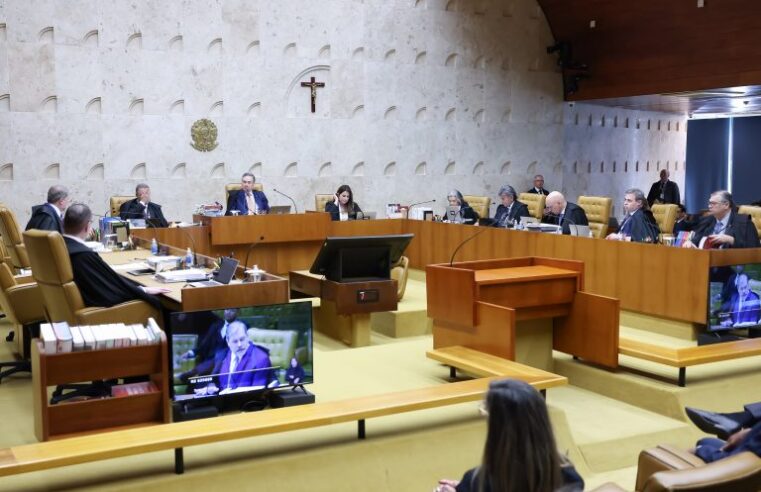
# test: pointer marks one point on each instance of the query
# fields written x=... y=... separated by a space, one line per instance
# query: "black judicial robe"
x=45 y=219
x=133 y=209
x=740 y=227
x=98 y=283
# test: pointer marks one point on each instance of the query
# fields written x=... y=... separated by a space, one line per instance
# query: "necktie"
x=233 y=366
x=560 y=219
x=251 y=203
x=145 y=212
x=224 y=329
x=718 y=228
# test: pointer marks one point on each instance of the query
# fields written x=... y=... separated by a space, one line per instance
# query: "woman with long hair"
x=343 y=206
x=520 y=454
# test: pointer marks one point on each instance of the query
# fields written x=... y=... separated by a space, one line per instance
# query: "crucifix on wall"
x=313 y=86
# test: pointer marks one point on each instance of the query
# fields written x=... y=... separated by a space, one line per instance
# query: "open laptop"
x=453 y=214
x=366 y=215
x=223 y=276
x=280 y=210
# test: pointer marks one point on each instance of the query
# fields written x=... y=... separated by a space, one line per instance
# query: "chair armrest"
x=127 y=312
x=24 y=279
x=27 y=303
x=663 y=457
x=739 y=472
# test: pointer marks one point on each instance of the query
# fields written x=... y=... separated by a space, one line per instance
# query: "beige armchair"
x=535 y=203
x=667 y=468
x=321 y=199
x=480 y=204
x=665 y=216
x=22 y=305
x=115 y=203
x=11 y=234
x=280 y=343
x=399 y=272
x=597 y=209
x=230 y=187
x=755 y=215
x=51 y=268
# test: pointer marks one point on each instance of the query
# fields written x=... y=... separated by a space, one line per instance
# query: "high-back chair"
x=321 y=199
x=22 y=305
x=5 y=256
x=665 y=216
x=115 y=203
x=11 y=233
x=755 y=215
x=597 y=209
x=480 y=204
x=534 y=202
x=399 y=272
x=230 y=187
x=51 y=268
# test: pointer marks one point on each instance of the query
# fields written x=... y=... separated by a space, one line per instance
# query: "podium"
x=494 y=305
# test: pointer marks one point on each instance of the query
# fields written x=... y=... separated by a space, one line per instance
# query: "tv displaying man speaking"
x=735 y=297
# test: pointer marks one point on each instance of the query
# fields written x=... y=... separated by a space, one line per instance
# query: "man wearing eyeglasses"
x=723 y=227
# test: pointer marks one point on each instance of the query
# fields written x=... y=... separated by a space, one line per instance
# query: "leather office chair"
x=321 y=199
x=11 y=234
x=51 y=268
x=667 y=468
x=597 y=209
x=21 y=301
x=480 y=204
x=116 y=202
x=535 y=203
x=280 y=343
x=399 y=272
x=230 y=187
x=5 y=256
x=755 y=215
x=665 y=216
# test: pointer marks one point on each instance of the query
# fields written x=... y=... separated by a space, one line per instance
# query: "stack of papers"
x=189 y=275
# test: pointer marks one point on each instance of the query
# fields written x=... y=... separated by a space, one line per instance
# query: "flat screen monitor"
x=225 y=357
x=359 y=258
x=733 y=297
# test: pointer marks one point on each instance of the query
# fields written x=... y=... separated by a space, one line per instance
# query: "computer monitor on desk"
x=359 y=258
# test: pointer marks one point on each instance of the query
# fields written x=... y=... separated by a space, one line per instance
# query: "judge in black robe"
x=724 y=227
x=564 y=213
x=639 y=224
x=47 y=217
x=142 y=207
x=510 y=209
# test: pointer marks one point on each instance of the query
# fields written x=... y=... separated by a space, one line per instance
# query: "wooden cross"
x=313 y=85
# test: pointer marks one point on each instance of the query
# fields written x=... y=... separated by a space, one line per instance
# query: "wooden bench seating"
x=689 y=356
x=106 y=445
x=486 y=365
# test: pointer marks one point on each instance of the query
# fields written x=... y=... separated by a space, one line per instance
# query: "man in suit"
x=240 y=364
x=510 y=210
x=723 y=227
x=565 y=213
x=538 y=187
x=48 y=216
x=247 y=201
x=738 y=432
x=683 y=221
x=744 y=305
x=98 y=283
x=211 y=347
x=639 y=224
x=141 y=207
x=663 y=191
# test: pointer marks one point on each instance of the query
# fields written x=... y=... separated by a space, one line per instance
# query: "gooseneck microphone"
x=254 y=244
x=451 y=260
x=295 y=209
x=420 y=203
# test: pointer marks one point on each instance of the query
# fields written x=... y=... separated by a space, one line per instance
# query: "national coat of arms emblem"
x=204 y=135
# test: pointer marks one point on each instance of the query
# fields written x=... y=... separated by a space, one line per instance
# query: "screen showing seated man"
x=237 y=350
x=734 y=300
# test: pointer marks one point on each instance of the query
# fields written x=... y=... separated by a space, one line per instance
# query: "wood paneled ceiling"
x=662 y=55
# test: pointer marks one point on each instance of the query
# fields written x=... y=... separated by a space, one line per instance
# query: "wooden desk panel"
x=268 y=228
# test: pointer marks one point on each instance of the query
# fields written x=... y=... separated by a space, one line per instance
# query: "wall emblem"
x=204 y=135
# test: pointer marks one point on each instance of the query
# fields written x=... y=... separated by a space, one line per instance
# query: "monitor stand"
x=290 y=397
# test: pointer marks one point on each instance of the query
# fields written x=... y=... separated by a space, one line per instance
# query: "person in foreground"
x=639 y=224
x=466 y=214
x=564 y=212
x=141 y=207
x=48 y=216
x=510 y=210
x=98 y=283
x=520 y=454
x=247 y=200
x=343 y=207
x=737 y=432
x=723 y=227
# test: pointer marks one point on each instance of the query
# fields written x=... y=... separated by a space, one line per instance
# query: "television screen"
x=240 y=350
x=733 y=297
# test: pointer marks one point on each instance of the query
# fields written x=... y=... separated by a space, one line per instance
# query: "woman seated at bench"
x=520 y=454
x=343 y=207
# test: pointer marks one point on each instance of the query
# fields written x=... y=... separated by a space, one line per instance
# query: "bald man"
x=565 y=213
x=663 y=191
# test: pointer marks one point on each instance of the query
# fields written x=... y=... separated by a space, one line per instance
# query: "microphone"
x=451 y=260
x=420 y=203
x=295 y=209
x=245 y=265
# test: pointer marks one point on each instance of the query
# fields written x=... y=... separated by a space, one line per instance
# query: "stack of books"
x=62 y=338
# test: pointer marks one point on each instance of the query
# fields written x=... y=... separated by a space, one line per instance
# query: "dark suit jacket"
x=44 y=217
x=469 y=216
x=237 y=201
x=335 y=214
x=255 y=357
x=573 y=215
x=670 y=194
x=740 y=227
x=540 y=192
x=641 y=227
x=133 y=209
x=517 y=211
x=751 y=309
x=98 y=283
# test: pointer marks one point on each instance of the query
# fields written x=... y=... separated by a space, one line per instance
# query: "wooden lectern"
x=477 y=304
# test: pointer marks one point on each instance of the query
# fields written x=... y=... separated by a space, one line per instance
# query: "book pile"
x=61 y=338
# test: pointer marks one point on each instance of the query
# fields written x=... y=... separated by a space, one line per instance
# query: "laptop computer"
x=280 y=210
x=453 y=214
x=366 y=215
x=223 y=276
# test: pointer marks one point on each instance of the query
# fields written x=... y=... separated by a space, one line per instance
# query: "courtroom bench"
x=689 y=356
x=177 y=435
x=482 y=364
